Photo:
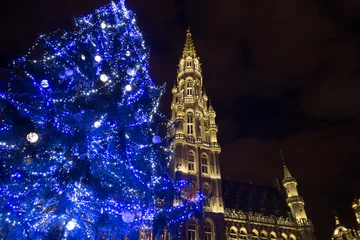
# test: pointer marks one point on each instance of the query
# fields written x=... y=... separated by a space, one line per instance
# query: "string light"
x=82 y=171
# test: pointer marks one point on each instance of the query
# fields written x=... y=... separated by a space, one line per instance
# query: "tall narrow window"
x=204 y=164
x=191 y=232
x=190 y=124
x=189 y=89
x=208 y=230
x=188 y=63
x=191 y=162
x=272 y=236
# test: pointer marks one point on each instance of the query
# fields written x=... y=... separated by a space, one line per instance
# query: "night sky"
x=282 y=75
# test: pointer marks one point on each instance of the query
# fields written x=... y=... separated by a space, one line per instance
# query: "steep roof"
x=252 y=198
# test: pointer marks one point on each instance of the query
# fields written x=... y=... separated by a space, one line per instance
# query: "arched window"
x=283 y=236
x=263 y=235
x=204 y=164
x=189 y=89
x=188 y=63
x=255 y=234
x=233 y=233
x=243 y=234
x=272 y=236
x=191 y=230
x=292 y=237
x=191 y=162
x=208 y=230
x=190 y=124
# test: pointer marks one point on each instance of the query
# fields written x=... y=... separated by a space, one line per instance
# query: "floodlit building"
x=232 y=210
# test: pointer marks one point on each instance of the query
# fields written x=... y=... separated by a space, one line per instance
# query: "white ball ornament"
x=32 y=137
x=61 y=75
x=156 y=139
x=71 y=225
x=83 y=57
x=127 y=53
x=69 y=72
x=128 y=216
x=131 y=72
x=128 y=88
x=104 y=78
x=98 y=58
x=97 y=124
x=45 y=83
x=103 y=25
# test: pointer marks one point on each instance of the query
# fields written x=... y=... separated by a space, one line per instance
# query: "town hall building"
x=232 y=210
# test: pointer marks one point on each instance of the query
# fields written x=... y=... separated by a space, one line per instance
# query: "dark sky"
x=282 y=75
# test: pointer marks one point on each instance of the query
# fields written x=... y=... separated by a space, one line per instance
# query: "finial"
x=337 y=221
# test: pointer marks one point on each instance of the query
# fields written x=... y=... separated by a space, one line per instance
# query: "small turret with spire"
x=296 y=203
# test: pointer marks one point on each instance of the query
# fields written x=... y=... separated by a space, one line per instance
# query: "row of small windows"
x=242 y=234
x=192 y=233
x=204 y=163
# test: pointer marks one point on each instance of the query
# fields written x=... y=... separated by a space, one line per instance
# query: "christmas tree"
x=79 y=149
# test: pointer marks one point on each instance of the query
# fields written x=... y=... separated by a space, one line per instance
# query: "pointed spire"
x=287 y=173
x=189 y=48
x=337 y=221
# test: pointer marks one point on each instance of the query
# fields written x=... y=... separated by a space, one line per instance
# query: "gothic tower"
x=296 y=205
x=195 y=146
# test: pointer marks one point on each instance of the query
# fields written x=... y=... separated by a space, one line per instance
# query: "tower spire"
x=189 y=47
x=287 y=173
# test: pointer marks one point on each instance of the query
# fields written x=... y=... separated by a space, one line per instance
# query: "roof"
x=252 y=198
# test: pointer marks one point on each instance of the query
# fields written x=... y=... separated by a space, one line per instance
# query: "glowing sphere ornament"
x=45 y=83
x=131 y=72
x=69 y=72
x=97 y=124
x=127 y=53
x=32 y=137
x=128 y=88
x=103 y=25
x=156 y=139
x=104 y=78
x=71 y=225
x=98 y=58
x=61 y=75
x=83 y=57
x=128 y=216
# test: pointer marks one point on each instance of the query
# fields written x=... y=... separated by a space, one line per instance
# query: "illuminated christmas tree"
x=80 y=156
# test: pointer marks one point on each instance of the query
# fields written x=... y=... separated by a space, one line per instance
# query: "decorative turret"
x=296 y=203
x=341 y=232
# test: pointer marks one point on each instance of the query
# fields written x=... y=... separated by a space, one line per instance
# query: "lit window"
x=188 y=63
x=204 y=164
x=189 y=89
x=191 y=232
x=255 y=235
x=243 y=235
x=208 y=230
x=191 y=161
x=190 y=124
x=272 y=236
x=263 y=236
x=233 y=234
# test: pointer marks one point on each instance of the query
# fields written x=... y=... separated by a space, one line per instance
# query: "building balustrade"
x=197 y=141
x=260 y=218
